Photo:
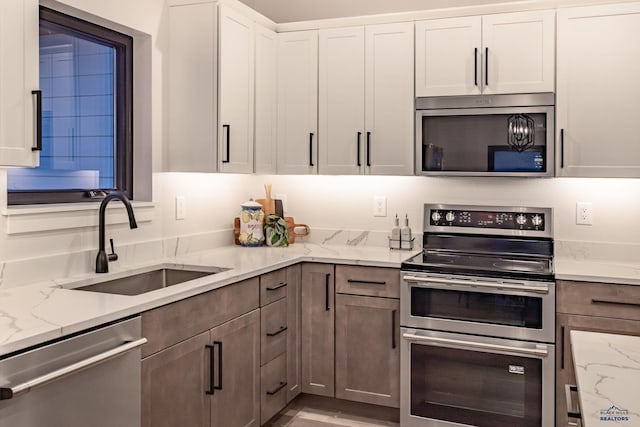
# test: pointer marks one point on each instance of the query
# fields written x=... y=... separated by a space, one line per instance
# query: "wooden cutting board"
x=268 y=204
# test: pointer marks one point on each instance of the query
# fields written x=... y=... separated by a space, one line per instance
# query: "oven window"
x=476 y=388
x=479 y=307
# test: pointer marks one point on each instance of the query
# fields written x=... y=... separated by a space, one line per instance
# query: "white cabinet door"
x=265 y=98
x=236 y=90
x=297 y=128
x=193 y=88
x=341 y=100
x=518 y=52
x=389 y=103
x=598 y=95
x=19 y=23
x=448 y=56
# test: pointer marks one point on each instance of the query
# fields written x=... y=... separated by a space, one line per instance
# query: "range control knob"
x=450 y=216
x=436 y=216
x=536 y=220
x=521 y=219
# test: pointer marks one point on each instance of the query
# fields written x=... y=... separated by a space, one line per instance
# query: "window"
x=86 y=74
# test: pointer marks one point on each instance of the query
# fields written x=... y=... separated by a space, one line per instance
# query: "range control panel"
x=485 y=219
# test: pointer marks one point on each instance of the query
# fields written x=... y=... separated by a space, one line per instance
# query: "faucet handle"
x=113 y=256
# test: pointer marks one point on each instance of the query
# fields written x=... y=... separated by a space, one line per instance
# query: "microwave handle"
x=444 y=284
x=470 y=345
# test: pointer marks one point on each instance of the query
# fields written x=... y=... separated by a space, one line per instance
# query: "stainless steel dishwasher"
x=88 y=379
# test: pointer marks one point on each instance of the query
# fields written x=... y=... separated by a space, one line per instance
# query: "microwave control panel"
x=534 y=221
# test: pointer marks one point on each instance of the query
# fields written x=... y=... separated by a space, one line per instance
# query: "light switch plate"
x=181 y=207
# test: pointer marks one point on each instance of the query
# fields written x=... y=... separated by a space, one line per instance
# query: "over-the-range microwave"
x=486 y=135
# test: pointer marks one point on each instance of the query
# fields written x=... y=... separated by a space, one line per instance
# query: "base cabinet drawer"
x=368 y=281
x=598 y=299
x=273 y=286
x=273 y=330
x=274 y=388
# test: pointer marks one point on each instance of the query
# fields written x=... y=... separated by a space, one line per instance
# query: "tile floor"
x=315 y=411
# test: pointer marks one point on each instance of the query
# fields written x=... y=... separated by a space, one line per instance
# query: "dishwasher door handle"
x=13 y=391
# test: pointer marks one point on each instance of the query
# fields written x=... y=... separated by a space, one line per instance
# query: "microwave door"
x=478 y=142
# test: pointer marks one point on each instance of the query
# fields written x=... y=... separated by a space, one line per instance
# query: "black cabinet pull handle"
x=326 y=291
x=614 y=302
x=275 y=288
x=366 y=282
x=561 y=148
x=277 y=389
x=393 y=328
x=568 y=388
x=358 y=150
x=212 y=377
x=562 y=347
x=475 y=66
x=278 y=332
x=369 y=149
x=228 y=142
x=38 y=94
x=486 y=66
x=311 y=149
x=219 y=386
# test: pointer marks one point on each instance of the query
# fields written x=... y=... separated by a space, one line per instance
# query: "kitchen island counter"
x=607 y=370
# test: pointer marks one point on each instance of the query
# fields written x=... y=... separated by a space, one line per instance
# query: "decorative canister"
x=251 y=223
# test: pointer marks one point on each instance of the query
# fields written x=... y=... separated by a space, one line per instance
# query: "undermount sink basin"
x=147 y=281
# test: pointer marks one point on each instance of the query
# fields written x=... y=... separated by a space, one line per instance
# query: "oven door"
x=463 y=380
x=517 y=309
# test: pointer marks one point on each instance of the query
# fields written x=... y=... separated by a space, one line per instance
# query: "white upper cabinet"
x=389 y=104
x=598 y=95
x=19 y=23
x=492 y=54
x=236 y=91
x=265 y=100
x=448 y=55
x=297 y=121
x=193 y=88
x=341 y=100
x=365 y=117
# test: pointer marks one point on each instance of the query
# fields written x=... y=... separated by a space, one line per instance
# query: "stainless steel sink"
x=147 y=281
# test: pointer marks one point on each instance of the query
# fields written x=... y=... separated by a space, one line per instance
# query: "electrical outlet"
x=584 y=213
x=379 y=206
x=181 y=207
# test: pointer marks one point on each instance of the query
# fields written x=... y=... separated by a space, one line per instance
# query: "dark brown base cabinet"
x=350 y=342
x=178 y=385
x=586 y=306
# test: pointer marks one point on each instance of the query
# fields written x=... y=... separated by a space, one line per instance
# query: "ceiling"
x=282 y=11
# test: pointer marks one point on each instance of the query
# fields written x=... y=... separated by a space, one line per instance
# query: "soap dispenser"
x=395 y=235
x=406 y=240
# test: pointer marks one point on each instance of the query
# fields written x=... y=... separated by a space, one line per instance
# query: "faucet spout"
x=102 y=259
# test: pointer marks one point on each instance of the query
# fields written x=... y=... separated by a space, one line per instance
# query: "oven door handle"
x=477 y=345
x=444 y=284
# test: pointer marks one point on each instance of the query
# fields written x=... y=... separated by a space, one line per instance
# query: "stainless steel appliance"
x=477 y=316
x=486 y=135
x=89 y=379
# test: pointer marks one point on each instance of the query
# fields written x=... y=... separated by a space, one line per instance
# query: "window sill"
x=33 y=218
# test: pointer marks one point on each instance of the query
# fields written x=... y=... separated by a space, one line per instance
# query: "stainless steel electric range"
x=477 y=312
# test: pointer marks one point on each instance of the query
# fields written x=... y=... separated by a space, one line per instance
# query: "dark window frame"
x=123 y=94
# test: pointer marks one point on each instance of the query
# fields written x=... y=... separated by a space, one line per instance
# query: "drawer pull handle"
x=280 y=386
x=616 y=302
x=278 y=332
x=568 y=388
x=367 y=282
x=275 y=288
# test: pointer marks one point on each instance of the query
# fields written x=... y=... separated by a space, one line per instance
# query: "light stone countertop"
x=33 y=314
x=598 y=271
x=608 y=375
